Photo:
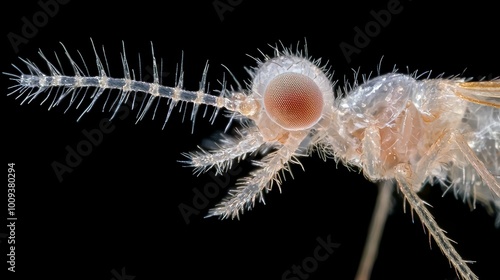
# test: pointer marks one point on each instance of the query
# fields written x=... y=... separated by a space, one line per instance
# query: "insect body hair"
x=395 y=128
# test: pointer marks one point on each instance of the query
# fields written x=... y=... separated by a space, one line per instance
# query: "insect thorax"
x=396 y=118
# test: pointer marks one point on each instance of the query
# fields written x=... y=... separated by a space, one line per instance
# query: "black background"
x=119 y=208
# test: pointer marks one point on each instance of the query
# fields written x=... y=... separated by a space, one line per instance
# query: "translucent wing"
x=484 y=92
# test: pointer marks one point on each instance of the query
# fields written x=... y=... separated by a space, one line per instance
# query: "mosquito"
x=401 y=130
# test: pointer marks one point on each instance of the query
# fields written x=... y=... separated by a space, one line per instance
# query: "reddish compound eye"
x=293 y=101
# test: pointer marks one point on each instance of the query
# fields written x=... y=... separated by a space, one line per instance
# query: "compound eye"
x=293 y=101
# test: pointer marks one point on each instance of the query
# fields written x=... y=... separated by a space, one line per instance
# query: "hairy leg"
x=478 y=165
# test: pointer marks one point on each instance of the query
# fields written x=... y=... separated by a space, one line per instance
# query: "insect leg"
x=371 y=152
x=371 y=167
x=478 y=165
x=228 y=148
x=252 y=187
x=405 y=178
x=382 y=208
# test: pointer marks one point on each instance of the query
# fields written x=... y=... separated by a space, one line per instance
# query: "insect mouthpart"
x=293 y=101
